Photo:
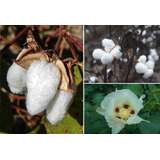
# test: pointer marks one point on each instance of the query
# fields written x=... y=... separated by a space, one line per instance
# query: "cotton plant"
x=110 y=52
x=120 y=108
x=147 y=67
x=43 y=83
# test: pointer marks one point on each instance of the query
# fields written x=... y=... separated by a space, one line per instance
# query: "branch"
x=11 y=42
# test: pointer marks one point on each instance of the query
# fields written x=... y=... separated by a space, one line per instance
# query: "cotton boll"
x=156 y=58
x=93 y=79
x=98 y=53
x=58 y=107
x=150 y=64
x=142 y=59
x=148 y=73
x=16 y=78
x=107 y=58
x=150 y=58
x=116 y=52
x=108 y=44
x=42 y=82
x=141 y=68
x=153 y=52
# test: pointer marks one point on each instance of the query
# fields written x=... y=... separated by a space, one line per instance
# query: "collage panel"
x=122 y=53
x=41 y=79
x=122 y=109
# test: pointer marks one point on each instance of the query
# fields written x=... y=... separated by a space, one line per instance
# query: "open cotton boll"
x=93 y=79
x=116 y=52
x=151 y=58
x=98 y=53
x=153 y=52
x=42 y=82
x=150 y=64
x=156 y=58
x=108 y=44
x=107 y=58
x=141 y=68
x=58 y=107
x=16 y=78
x=142 y=59
x=148 y=73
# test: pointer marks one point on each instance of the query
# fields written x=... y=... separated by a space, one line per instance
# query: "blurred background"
x=134 y=40
x=14 y=117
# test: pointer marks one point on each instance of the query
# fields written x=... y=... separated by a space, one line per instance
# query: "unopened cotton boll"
x=141 y=68
x=150 y=64
x=142 y=59
x=107 y=58
x=116 y=52
x=108 y=44
x=98 y=53
x=42 y=82
x=16 y=78
x=148 y=73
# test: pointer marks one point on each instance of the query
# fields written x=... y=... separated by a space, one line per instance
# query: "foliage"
x=95 y=123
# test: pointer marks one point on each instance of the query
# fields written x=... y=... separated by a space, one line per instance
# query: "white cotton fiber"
x=108 y=44
x=58 y=107
x=116 y=52
x=93 y=79
x=151 y=58
x=150 y=64
x=142 y=59
x=42 y=82
x=141 y=68
x=98 y=53
x=148 y=73
x=16 y=78
x=107 y=58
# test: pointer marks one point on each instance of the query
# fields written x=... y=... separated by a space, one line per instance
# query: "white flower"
x=141 y=68
x=98 y=53
x=148 y=73
x=116 y=52
x=107 y=58
x=121 y=107
x=42 y=82
x=108 y=44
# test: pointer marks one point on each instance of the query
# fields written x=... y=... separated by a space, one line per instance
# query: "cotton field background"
x=66 y=42
x=135 y=43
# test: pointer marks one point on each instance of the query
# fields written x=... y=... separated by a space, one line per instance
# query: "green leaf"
x=68 y=125
x=151 y=104
x=97 y=98
x=150 y=128
x=6 y=116
x=155 y=91
x=135 y=88
x=40 y=129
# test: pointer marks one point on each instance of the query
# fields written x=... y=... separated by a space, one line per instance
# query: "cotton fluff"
x=150 y=64
x=58 y=107
x=142 y=59
x=93 y=79
x=16 y=77
x=108 y=44
x=42 y=82
x=98 y=53
x=148 y=73
x=141 y=68
x=116 y=52
x=153 y=55
x=107 y=58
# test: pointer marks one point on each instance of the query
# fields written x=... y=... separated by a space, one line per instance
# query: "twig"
x=20 y=109
x=53 y=35
x=134 y=52
x=6 y=40
x=37 y=37
x=62 y=47
x=77 y=43
x=11 y=42
x=105 y=74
